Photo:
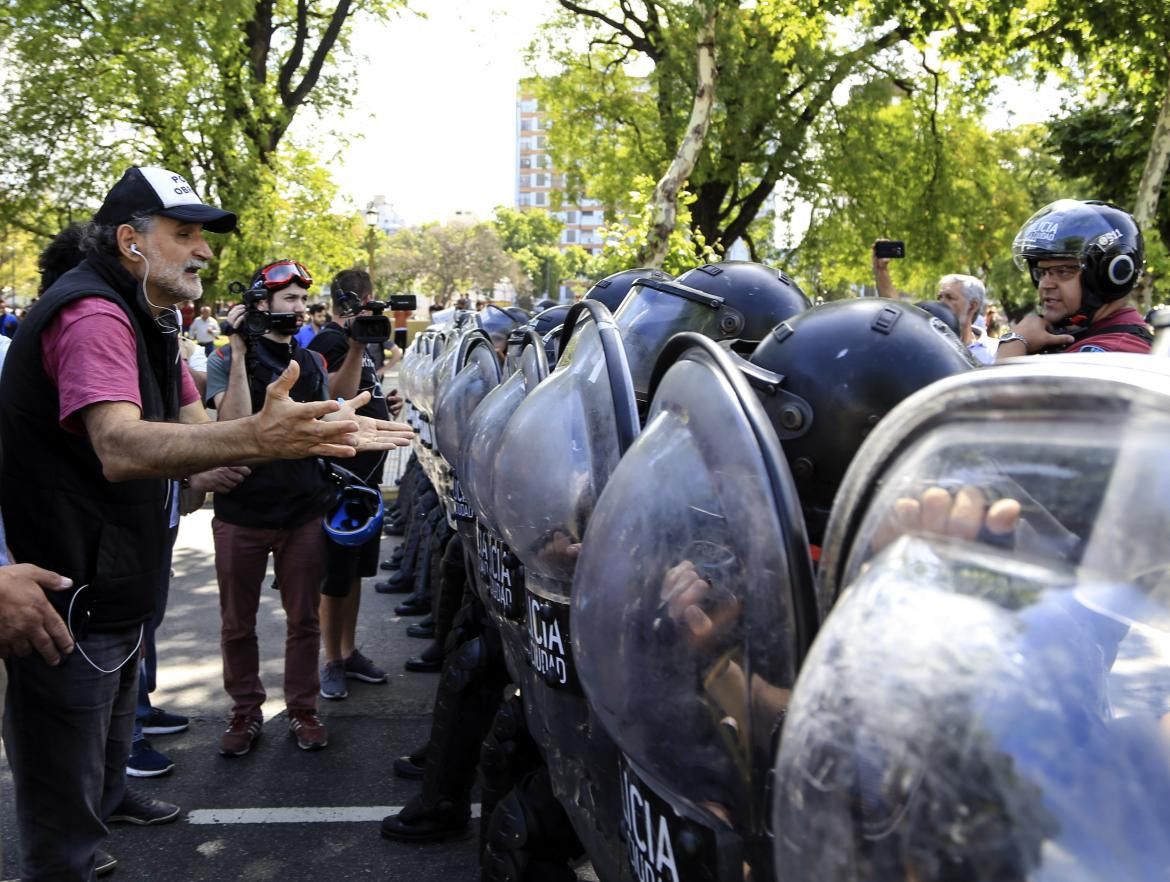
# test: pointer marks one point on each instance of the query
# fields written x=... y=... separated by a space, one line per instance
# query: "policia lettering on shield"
x=1084 y=258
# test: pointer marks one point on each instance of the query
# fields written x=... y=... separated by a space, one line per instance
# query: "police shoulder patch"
x=1091 y=348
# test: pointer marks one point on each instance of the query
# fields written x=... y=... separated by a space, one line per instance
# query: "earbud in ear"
x=134 y=249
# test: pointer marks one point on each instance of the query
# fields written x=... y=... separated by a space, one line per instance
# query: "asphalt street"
x=330 y=801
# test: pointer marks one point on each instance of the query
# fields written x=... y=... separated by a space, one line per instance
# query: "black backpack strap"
x=1139 y=331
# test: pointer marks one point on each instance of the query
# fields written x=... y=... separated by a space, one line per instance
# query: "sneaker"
x=241 y=732
x=333 y=680
x=361 y=668
x=161 y=722
x=146 y=762
x=104 y=863
x=308 y=729
x=142 y=810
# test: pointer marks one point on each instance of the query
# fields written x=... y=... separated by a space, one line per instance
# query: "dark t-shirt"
x=287 y=493
x=333 y=343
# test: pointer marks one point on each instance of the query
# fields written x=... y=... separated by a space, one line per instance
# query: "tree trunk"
x=664 y=203
x=1150 y=188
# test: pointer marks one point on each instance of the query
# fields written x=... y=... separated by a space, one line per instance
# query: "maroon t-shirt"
x=88 y=352
x=1118 y=342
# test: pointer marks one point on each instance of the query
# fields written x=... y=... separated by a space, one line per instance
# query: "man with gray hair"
x=963 y=295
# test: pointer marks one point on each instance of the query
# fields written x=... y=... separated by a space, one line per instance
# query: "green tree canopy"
x=208 y=89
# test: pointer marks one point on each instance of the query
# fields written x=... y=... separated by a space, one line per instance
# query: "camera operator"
x=278 y=507
x=345 y=343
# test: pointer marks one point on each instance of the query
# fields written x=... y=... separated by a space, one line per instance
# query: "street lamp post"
x=371 y=235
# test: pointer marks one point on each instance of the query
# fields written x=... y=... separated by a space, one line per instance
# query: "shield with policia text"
x=988 y=698
x=693 y=602
x=498 y=576
x=556 y=453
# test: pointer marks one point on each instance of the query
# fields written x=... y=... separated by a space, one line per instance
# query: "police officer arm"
x=962 y=516
x=1036 y=334
x=130 y=447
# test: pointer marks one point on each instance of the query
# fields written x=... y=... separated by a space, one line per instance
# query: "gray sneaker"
x=333 y=680
x=361 y=668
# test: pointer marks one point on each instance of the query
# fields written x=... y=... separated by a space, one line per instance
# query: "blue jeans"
x=67 y=732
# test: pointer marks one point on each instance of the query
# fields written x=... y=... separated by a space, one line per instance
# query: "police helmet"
x=612 y=290
x=357 y=516
x=845 y=364
x=755 y=298
x=1101 y=237
x=942 y=312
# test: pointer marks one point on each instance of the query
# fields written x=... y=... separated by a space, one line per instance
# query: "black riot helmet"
x=1101 y=237
x=941 y=312
x=549 y=319
x=495 y=320
x=612 y=290
x=759 y=296
x=844 y=365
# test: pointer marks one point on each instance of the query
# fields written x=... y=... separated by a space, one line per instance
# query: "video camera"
x=258 y=322
x=374 y=328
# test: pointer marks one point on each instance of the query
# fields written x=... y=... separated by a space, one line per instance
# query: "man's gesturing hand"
x=373 y=434
x=289 y=430
x=27 y=620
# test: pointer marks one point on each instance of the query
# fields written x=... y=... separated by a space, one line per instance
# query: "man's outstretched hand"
x=27 y=620
x=291 y=430
x=372 y=434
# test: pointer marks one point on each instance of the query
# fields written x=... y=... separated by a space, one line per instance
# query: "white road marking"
x=351 y=814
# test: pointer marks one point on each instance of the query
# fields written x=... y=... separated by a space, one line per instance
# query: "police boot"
x=428 y=661
x=423 y=629
x=394 y=561
x=412 y=765
x=397 y=583
x=420 y=821
x=530 y=837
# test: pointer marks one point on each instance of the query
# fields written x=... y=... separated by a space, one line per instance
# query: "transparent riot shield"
x=499 y=577
x=556 y=454
x=988 y=699
x=692 y=604
x=476 y=371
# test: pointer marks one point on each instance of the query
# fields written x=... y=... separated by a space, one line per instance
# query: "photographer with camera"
x=345 y=343
x=278 y=507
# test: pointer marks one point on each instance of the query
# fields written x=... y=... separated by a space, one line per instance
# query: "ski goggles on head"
x=281 y=274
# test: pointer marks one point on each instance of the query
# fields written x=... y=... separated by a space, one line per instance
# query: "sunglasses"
x=282 y=274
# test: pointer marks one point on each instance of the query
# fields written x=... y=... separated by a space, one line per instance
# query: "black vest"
x=287 y=493
x=59 y=510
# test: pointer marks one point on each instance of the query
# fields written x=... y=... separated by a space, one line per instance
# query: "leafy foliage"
x=209 y=90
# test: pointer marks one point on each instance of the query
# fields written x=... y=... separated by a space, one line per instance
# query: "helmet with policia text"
x=612 y=290
x=845 y=364
x=986 y=698
x=1102 y=238
x=693 y=604
x=756 y=298
x=356 y=517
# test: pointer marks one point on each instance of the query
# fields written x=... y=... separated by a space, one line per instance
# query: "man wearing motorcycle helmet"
x=1084 y=258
